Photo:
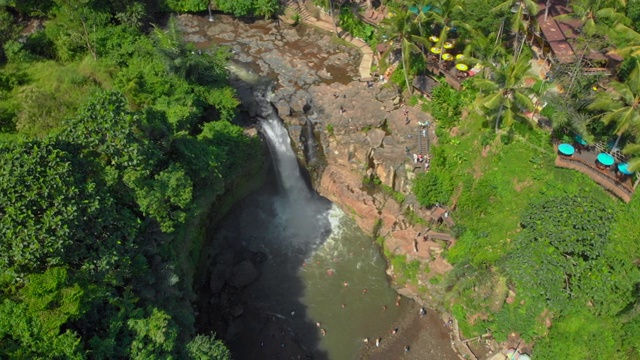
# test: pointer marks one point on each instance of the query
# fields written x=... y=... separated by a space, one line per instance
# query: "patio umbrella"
x=447 y=57
x=435 y=50
x=434 y=38
x=462 y=67
x=605 y=159
x=448 y=45
x=624 y=168
x=580 y=140
x=425 y=9
x=566 y=149
x=459 y=56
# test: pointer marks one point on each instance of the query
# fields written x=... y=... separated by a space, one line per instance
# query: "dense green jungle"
x=118 y=145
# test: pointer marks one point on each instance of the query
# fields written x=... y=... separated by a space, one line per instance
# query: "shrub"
x=349 y=22
x=433 y=187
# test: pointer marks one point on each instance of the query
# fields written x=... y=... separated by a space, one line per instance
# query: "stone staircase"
x=423 y=141
x=301 y=9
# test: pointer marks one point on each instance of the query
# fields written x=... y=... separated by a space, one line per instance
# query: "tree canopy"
x=113 y=140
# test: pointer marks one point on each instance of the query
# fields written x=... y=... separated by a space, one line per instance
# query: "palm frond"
x=523 y=101
x=492 y=101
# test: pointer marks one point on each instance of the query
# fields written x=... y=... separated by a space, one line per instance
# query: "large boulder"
x=243 y=274
x=283 y=108
x=375 y=137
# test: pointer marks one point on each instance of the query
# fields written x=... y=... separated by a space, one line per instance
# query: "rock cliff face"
x=365 y=139
x=361 y=131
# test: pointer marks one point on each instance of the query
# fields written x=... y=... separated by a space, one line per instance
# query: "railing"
x=613 y=185
x=602 y=147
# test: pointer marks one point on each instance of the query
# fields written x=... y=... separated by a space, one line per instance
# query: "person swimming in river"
x=364 y=291
x=323 y=332
x=345 y=284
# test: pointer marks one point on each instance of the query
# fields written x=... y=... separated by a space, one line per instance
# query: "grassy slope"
x=494 y=186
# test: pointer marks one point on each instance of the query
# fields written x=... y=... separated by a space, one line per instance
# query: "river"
x=322 y=288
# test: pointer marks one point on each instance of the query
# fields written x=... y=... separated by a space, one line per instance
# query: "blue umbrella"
x=624 y=168
x=566 y=149
x=606 y=159
x=580 y=140
x=425 y=9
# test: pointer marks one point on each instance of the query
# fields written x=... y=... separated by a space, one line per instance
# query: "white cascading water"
x=286 y=163
x=301 y=215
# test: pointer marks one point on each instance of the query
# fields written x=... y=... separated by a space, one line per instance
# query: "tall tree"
x=505 y=95
x=567 y=116
x=632 y=48
x=56 y=211
x=484 y=48
x=620 y=104
x=523 y=12
x=598 y=16
x=34 y=321
x=634 y=151
x=74 y=27
x=403 y=30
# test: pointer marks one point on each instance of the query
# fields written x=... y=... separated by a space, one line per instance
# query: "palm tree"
x=506 y=93
x=633 y=46
x=483 y=48
x=598 y=16
x=567 y=115
x=633 y=149
x=519 y=25
x=403 y=30
x=620 y=104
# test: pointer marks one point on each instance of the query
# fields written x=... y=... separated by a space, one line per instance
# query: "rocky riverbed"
x=362 y=130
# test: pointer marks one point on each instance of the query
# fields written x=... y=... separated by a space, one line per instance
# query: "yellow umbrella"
x=434 y=38
x=447 y=57
x=436 y=50
x=462 y=67
x=448 y=45
x=459 y=57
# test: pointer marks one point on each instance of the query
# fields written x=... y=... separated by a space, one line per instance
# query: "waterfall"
x=285 y=161
x=301 y=216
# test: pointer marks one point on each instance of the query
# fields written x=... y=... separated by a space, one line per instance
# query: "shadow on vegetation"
x=265 y=318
